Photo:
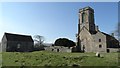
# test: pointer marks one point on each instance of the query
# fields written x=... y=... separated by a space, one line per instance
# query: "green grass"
x=45 y=58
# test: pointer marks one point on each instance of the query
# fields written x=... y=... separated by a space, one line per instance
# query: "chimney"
x=112 y=34
x=97 y=28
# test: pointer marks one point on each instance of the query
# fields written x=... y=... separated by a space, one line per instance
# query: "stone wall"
x=19 y=46
x=3 y=44
x=86 y=40
x=112 y=49
x=58 y=49
x=99 y=42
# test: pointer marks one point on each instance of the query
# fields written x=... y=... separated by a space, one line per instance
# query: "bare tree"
x=39 y=39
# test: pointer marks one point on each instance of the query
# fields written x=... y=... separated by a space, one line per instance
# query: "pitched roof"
x=109 y=36
x=18 y=37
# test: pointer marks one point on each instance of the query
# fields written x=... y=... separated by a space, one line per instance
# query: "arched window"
x=83 y=17
x=92 y=17
x=99 y=40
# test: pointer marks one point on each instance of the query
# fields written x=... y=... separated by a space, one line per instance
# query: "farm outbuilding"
x=16 y=43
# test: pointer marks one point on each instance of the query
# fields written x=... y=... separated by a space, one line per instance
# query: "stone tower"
x=86 y=27
x=86 y=19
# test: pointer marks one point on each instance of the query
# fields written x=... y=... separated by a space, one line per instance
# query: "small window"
x=18 y=46
x=99 y=40
x=100 y=46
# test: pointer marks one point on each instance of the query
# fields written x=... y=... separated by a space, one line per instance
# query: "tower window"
x=99 y=40
x=83 y=17
x=100 y=46
x=92 y=17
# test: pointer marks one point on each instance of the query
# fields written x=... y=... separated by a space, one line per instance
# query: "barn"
x=16 y=43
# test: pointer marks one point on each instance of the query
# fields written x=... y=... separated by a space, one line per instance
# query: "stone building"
x=90 y=38
x=16 y=43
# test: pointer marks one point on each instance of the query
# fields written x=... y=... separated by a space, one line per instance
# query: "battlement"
x=86 y=8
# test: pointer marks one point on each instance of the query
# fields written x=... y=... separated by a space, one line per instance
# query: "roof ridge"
x=16 y=34
x=18 y=37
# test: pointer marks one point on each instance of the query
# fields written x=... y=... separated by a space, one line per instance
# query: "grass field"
x=45 y=58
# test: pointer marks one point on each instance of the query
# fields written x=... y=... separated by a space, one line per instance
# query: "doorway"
x=108 y=50
x=57 y=50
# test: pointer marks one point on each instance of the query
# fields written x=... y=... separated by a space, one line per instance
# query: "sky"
x=54 y=20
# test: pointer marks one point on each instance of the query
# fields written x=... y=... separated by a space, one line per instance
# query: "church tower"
x=86 y=19
x=86 y=27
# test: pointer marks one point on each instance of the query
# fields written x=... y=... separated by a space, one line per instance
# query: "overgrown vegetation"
x=64 y=42
x=45 y=58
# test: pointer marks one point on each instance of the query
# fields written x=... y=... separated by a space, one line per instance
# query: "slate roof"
x=109 y=35
x=115 y=40
x=18 y=37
